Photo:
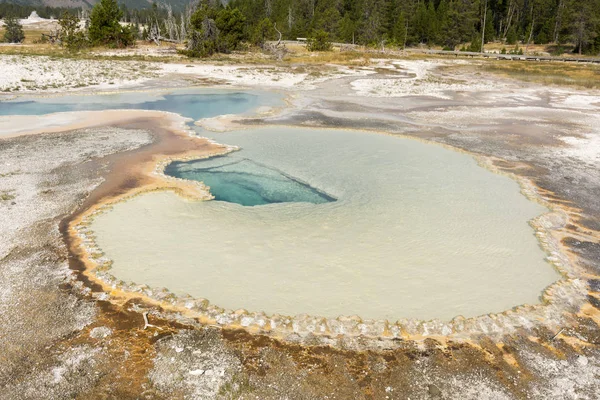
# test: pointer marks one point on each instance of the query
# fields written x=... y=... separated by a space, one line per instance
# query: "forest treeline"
x=138 y=15
x=23 y=10
x=445 y=23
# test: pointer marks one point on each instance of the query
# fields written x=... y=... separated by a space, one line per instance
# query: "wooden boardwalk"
x=513 y=57
x=462 y=54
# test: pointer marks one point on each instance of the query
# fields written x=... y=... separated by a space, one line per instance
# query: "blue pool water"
x=195 y=104
x=247 y=182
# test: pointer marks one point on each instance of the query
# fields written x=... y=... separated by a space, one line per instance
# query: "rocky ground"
x=61 y=338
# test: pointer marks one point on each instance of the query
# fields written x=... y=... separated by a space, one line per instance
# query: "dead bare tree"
x=512 y=9
x=290 y=18
x=154 y=33
x=186 y=18
x=53 y=36
x=171 y=26
x=279 y=33
x=530 y=30
x=183 y=28
x=276 y=49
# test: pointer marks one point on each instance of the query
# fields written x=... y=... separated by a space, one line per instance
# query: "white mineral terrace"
x=417 y=231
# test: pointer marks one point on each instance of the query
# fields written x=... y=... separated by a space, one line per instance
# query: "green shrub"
x=319 y=41
x=475 y=45
x=511 y=36
x=13 y=30
x=71 y=36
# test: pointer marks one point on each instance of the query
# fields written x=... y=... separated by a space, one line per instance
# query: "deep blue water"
x=246 y=182
x=195 y=105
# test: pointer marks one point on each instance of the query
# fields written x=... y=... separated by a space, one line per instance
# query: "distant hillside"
x=131 y=4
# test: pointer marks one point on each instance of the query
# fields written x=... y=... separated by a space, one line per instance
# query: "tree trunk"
x=279 y=33
x=530 y=36
x=483 y=27
x=558 y=23
x=530 y=31
x=509 y=16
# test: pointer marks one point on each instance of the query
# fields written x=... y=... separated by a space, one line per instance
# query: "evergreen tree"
x=421 y=23
x=328 y=19
x=13 y=30
x=265 y=30
x=347 y=29
x=215 y=30
x=319 y=41
x=436 y=22
x=584 y=23
x=373 y=26
x=230 y=23
x=511 y=36
x=105 y=28
x=400 y=28
x=459 y=23
x=71 y=36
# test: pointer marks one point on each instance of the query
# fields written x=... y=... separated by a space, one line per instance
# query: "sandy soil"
x=84 y=345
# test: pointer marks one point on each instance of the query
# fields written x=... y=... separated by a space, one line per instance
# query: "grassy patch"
x=6 y=196
x=551 y=73
x=355 y=58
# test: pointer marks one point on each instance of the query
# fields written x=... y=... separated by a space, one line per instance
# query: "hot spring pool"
x=331 y=223
x=191 y=103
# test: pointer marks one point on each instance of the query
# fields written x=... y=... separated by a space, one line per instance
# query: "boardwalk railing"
x=464 y=54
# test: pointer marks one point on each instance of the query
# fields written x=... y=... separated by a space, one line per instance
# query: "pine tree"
x=435 y=22
x=264 y=31
x=584 y=24
x=400 y=28
x=105 y=28
x=230 y=23
x=13 y=30
x=71 y=36
x=215 y=29
x=328 y=19
x=319 y=42
x=347 y=29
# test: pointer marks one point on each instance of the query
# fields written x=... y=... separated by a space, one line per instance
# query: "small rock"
x=582 y=360
x=100 y=332
x=196 y=372
x=434 y=392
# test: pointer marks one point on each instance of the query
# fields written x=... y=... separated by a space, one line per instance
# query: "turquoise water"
x=247 y=182
x=195 y=104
